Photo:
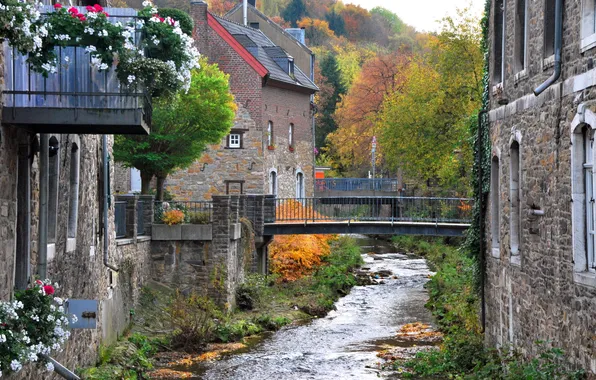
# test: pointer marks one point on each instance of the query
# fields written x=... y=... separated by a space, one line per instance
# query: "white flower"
x=2 y=338
x=89 y=30
x=15 y=366
x=126 y=34
x=131 y=78
x=90 y=49
x=104 y=33
x=110 y=48
x=51 y=318
x=103 y=66
x=32 y=357
x=91 y=15
x=147 y=3
x=66 y=59
x=50 y=367
x=35 y=318
x=59 y=300
x=0 y=373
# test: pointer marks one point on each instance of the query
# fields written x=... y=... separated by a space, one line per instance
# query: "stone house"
x=270 y=148
x=56 y=208
x=541 y=261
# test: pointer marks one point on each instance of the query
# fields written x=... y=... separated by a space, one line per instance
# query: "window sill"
x=144 y=238
x=71 y=244
x=50 y=252
x=548 y=62
x=124 y=241
x=585 y=278
x=520 y=76
x=515 y=260
x=496 y=252
x=588 y=43
x=232 y=148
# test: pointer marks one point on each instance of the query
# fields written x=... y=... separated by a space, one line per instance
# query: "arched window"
x=300 y=185
x=73 y=208
x=588 y=135
x=495 y=206
x=291 y=136
x=273 y=183
x=53 y=180
x=514 y=196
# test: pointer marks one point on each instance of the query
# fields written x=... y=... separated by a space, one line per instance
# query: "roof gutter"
x=558 y=42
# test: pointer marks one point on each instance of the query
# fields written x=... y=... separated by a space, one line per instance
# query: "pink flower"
x=82 y=17
x=89 y=8
x=162 y=19
x=98 y=8
x=106 y=13
x=39 y=282
x=73 y=10
x=49 y=289
x=57 y=6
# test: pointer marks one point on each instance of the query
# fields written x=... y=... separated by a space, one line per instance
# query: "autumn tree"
x=357 y=113
x=182 y=127
x=317 y=31
x=296 y=10
x=426 y=124
x=336 y=23
x=221 y=7
x=330 y=77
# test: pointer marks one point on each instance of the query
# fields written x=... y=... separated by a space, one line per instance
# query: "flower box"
x=182 y=232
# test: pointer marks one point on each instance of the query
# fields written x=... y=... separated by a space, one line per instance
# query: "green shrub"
x=192 y=318
x=186 y=23
x=235 y=331
x=199 y=217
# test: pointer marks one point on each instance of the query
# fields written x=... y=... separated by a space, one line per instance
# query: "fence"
x=120 y=218
x=195 y=212
x=356 y=184
x=398 y=209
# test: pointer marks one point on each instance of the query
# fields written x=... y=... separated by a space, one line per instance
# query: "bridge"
x=361 y=187
x=379 y=215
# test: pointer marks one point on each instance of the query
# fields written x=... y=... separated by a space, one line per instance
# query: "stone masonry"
x=542 y=292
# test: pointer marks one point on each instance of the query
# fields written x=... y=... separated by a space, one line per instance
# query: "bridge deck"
x=368 y=227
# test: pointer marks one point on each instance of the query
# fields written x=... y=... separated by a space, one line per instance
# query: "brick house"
x=270 y=148
x=541 y=261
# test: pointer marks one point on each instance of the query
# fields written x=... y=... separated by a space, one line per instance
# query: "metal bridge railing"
x=195 y=212
x=356 y=184
x=381 y=209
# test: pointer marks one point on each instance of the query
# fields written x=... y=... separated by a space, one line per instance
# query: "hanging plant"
x=33 y=324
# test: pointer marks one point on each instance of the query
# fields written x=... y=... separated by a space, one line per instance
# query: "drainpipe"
x=558 y=42
x=61 y=370
x=106 y=194
x=42 y=264
x=245 y=12
x=482 y=263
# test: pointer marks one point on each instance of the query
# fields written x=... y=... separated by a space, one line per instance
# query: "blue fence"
x=356 y=184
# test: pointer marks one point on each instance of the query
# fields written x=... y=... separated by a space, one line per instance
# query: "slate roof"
x=264 y=17
x=264 y=50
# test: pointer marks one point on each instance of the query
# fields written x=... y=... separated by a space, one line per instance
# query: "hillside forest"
x=417 y=92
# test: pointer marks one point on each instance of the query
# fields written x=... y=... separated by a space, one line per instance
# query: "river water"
x=344 y=344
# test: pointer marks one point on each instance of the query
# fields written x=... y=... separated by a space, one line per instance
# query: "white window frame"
x=291 y=135
x=235 y=141
x=515 y=198
x=270 y=133
x=495 y=204
x=588 y=25
x=300 y=185
x=582 y=209
x=521 y=72
x=502 y=68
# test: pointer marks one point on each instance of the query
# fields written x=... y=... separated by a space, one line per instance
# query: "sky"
x=422 y=14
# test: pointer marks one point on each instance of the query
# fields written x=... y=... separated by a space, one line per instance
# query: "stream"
x=344 y=344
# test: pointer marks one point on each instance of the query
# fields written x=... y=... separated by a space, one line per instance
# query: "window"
x=53 y=180
x=73 y=206
x=300 y=185
x=588 y=169
x=495 y=206
x=588 y=29
x=273 y=182
x=254 y=25
x=291 y=66
x=514 y=195
x=235 y=141
x=549 y=28
x=291 y=135
x=270 y=134
x=520 y=35
x=499 y=42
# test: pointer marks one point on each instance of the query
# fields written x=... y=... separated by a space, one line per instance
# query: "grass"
x=454 y=303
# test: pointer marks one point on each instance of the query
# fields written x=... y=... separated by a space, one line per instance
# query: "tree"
x=295 y=11
x=336 y=23
x=389 y=19
x=317 y=31
x=357 y=113
x=331 y=77
x=182 y=127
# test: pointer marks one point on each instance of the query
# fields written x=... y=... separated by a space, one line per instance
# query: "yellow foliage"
x=173 y=217
x=296 y=256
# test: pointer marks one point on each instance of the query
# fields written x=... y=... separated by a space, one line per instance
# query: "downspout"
x=60 y=369
x=42 y=264
x=245 y=12
x=106 y=194
x=558 y=42
x=482 y=263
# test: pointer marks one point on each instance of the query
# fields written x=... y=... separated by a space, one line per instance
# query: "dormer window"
x=291 y=66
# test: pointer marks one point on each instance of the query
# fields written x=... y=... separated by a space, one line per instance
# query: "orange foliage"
x=173 y=217
x=296 y=256
x=281 y=22
x=221 y=7
x=317 y=31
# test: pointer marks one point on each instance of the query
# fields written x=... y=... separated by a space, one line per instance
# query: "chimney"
x=198 y=12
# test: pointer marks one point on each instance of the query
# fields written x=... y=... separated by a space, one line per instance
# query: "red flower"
x=57 y=6
x=82 y=17
x=89 y=8
x=49 y=289
x=162 y=19
x=73 y=10
x=98 y=8
x=106 y=13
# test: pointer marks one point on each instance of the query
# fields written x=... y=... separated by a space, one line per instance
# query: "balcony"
x=77 y=99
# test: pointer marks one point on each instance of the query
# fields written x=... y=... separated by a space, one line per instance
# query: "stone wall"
x=285 y=107
x=541 y=293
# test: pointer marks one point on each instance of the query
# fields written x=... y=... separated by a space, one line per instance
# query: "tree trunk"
x=146 y=182
x=161 y=179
